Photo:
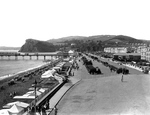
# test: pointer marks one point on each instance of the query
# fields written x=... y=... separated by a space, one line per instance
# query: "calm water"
x=11 y=66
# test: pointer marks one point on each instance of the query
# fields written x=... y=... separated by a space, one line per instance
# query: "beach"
x=22 y=82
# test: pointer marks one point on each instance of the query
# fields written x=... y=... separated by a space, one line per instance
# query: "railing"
x=48 y=90
x=33 y=54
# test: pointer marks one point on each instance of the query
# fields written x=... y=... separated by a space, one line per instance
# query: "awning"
x=18 y=103
x=49 y=73
x=67 y=64
x=15 y=109
x=4 y=112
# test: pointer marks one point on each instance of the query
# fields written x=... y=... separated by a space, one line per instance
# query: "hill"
x=32 y=45
x=80 y=43
x=101 y=37
x=125 y=39
x=62 y=40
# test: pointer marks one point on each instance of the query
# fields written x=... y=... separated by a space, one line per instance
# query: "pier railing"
x=30 y=55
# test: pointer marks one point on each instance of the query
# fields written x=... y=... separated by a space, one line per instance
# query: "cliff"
x=32 y=45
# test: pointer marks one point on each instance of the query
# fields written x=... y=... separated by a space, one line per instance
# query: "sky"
x=48 y=19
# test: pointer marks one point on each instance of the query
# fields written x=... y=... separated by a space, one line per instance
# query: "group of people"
x=39 y=109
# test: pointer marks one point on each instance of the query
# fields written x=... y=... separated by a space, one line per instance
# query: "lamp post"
x=35 y=85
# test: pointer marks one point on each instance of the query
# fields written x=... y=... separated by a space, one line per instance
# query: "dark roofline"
x=125 y=54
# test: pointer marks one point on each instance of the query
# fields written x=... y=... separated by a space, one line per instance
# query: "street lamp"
x=35 y=85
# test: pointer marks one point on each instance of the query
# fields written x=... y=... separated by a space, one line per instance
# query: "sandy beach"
x=13 y=68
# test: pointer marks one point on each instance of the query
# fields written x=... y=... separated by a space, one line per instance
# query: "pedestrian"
x=122 y=78
x=55 y=111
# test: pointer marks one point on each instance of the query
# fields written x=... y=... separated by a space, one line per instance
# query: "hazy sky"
x=47 y=19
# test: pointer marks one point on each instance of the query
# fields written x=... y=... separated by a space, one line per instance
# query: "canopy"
x=56 y=67
x=60 y=64
x=19 y=103
x=58 y=78
x=49 y=73
x=4 y=112
x=71 y=61
x=32 y=93
x=67 y=64
x=71 y=52
x=15 y=109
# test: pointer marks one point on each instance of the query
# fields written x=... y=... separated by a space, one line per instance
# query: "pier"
x=21 y=55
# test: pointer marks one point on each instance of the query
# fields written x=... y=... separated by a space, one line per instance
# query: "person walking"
x=122 y=78
x=55 y=111
x=123 y=72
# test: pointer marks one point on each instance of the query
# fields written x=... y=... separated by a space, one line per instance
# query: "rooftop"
x=125 y=54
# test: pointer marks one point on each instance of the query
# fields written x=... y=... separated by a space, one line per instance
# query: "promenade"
x=106 y=95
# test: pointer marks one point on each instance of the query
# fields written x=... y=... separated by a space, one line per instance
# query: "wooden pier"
x=8 y=55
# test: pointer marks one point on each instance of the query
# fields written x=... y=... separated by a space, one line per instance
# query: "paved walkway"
x=60 y=93
x=63 y=90
x=107 y=95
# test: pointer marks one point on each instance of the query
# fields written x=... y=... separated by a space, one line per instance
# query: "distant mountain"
x=9 y=48
x=100 y=37
x=103 y=38
x=61 y=41
x=32 y=45
x=125 y=39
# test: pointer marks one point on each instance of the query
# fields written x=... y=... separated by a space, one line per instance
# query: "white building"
x=145 y=52
x=115 y=50
x=142 y=50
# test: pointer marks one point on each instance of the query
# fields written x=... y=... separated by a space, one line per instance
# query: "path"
x=106 y=94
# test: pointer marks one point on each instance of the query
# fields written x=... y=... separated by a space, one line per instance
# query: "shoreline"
x=20 y=72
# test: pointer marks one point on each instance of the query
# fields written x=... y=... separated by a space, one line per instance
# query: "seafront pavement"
x=107 y=95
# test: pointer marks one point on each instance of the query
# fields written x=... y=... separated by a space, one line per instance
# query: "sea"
x=10 y=66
